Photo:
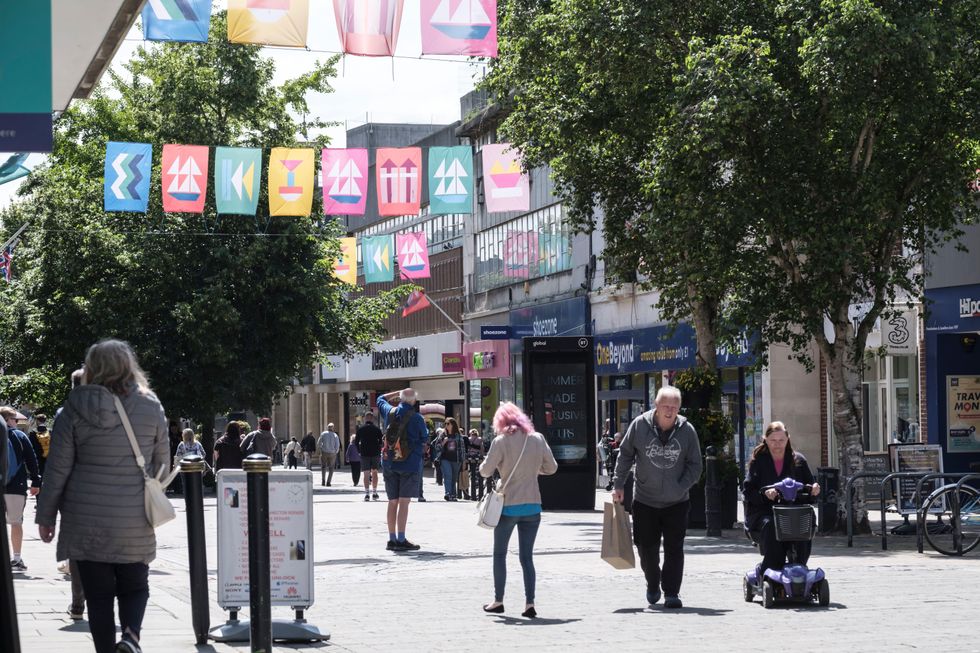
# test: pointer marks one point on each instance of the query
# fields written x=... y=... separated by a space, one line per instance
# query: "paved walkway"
x=373 y=600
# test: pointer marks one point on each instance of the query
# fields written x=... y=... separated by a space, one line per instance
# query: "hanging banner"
x=368 y=27
x=177 y=20
x=398 y=180
x=459 y=27
x=268 y=22
x=345 y=181
x=507 y=187
x=521 y=254
x=450 y=180
x=127 y=176
x=25 y=76
x=415 y=302
x=237 y=172
x=291 y=181
x=377 y=258
x=184 y=171
x=413 y=255
x=345 y=267
x=963 y=414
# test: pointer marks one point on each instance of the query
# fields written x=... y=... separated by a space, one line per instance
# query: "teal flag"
x=237 y=172
x=25 y=76
x=377 y=258
x=450 y=180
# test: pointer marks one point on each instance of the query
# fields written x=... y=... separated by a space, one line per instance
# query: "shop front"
x=485 y=364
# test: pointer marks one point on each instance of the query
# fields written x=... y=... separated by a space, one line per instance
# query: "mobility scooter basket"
x=794 y=523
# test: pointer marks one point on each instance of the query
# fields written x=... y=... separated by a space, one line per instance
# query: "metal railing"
x=920 y=516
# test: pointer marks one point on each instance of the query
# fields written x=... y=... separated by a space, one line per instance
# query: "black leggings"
x=104 y=582
x=355 y=472
x=773 y=551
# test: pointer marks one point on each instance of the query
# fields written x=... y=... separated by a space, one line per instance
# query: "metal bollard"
x=257 y=468
x=192 y=473
x=9 y=633
x=712 y=493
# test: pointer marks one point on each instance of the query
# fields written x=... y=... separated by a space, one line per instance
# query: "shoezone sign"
x=290 y=538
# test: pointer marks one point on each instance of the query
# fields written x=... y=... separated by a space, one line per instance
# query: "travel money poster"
x=962 y=414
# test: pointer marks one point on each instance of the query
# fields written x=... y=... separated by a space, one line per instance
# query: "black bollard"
x=257 y=468
x=712 y=493
x=9 y=634
x=192 y=472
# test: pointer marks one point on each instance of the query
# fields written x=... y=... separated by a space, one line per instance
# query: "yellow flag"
x=345 y=268
x=268 y=22
x=290 y=181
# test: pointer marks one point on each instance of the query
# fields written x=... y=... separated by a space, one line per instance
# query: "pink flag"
x=368 y=27
x=184 y=170
x=345 y=181
x=413 y=255
x=507 y=188
x=399 y=172
x=459 y=27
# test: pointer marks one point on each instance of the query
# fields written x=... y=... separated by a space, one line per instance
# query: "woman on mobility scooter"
x=772 y=461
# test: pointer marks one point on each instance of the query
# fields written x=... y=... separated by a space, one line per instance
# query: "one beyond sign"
x=290 y=538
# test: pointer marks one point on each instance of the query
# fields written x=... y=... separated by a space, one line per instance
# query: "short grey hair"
x=668 y=392
x=112 y=364
x=408 y=395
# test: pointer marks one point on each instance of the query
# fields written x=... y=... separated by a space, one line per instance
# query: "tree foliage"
x=224 y=311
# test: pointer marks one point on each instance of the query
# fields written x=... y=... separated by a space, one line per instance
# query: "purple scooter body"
x=797 y=582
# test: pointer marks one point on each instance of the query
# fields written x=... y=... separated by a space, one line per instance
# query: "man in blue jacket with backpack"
x=401 y=461
x=21 y=461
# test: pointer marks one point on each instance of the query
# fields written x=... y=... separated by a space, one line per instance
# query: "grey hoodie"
x=664 y=473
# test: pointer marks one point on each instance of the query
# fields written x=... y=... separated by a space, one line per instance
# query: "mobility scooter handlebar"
x=789 y=489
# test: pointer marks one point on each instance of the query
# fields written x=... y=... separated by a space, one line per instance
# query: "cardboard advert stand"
x=290 y=551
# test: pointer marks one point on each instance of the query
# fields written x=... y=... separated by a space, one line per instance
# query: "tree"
x=820 y=148
x=224 y=311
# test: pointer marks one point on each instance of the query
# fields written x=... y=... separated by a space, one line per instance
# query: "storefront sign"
x=899 y=334
x=564 y=318
x=658 y=348
x=25 y=77
x=926 y=458
x=452 y=363
x=395 y=358
x=969 y=307
x=486 y=359
x=953 y=309
x=623 y=382
x=963 y=414
x=290 y=538
x=495 y=332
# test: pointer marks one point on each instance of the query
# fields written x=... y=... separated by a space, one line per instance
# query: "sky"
x=407 y=88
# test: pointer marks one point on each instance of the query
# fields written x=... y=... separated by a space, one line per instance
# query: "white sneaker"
x=63 y=568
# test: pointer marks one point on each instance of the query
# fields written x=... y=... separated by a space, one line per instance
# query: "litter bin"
x=829 y=480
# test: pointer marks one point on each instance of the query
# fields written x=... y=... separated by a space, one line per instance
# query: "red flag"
x=415 y=302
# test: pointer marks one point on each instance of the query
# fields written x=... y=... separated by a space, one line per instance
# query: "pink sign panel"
x=413 y=255
x=486 y=359
x=459 y=27
x=184 y=169
x=507 y=187
x=399 y=171
x=368 y=27
x=345 y=181
x=452 y=363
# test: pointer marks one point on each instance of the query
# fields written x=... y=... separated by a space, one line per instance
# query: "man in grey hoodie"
x=667 y=453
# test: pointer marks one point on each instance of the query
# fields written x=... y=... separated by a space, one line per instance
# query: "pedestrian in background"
x=189 y=446
x=308 y=445
x=328 y=444
x=353 y=458
x=228 y=448
x=261 y=441
x=40 y=439
x=665 y=448
x=292 y=453
x=520 y=455
x=369 y=438
x=453 y=450
x=98 y=490
x=21 y=469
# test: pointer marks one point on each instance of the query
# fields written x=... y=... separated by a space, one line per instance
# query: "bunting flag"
x=377 y=259
x=459 y=27
x=177 y=20
x=237 y=172
x=415 y=302
x=7 y=263
x=520 y=254
x=345 y=181
x=290 y=181
x=368 y=27
x=398 y=172
x=184 y=169
x=127 y=176
x=507 y=187
x=268 y=22
x=450 y=180
x=413 y=255
x=345 y=267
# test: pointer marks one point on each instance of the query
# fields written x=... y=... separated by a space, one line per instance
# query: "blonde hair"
x=187 y=435
x=112 y=364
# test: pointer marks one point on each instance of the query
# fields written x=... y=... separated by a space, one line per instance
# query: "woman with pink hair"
x=520 y=455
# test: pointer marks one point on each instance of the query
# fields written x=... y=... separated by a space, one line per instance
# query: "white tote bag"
x=158 y=508
x=492 y=505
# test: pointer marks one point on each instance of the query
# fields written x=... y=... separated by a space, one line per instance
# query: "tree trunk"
x=702 y=312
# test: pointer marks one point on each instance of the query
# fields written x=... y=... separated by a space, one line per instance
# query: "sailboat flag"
x=184 y=169
x=459 y=27
x=450 y=180
x=413 y=255
x=345 y=181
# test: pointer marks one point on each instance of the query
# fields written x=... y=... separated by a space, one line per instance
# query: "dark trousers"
x=650 y=525
x=774 y=552
x=77 y=591
x=355 y=472
x=104 y=583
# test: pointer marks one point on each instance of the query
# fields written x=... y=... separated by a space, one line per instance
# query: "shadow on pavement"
x=537 y=621
x=703 y=612
x=75 y=627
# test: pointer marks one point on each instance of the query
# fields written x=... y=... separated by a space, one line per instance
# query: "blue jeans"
x=527 y=530
x=450 y=475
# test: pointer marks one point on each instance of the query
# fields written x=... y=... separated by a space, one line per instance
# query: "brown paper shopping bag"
x=617 y=544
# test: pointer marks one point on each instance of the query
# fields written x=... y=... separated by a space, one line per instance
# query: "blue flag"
x=237 y=171
x=176 y=20
x=450 y=180
x=127 y=176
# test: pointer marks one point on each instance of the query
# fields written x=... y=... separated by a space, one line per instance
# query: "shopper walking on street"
x=405 y=432
x=453 y=452
x=520 y=455
x=188 y=447
x=228 y=448
x=261 y=441
x=21 y=468
x=308 y=445
x=353 y=458
x=665 y=448
x=95 y=485
x=328 y=444
x=368 y=438
x=292 y=453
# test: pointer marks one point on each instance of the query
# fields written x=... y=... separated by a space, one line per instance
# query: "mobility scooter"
x=794 y=582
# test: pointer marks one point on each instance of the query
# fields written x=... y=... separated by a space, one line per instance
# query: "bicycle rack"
x=849 y=500
x=955 y=510
x=920 y=517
